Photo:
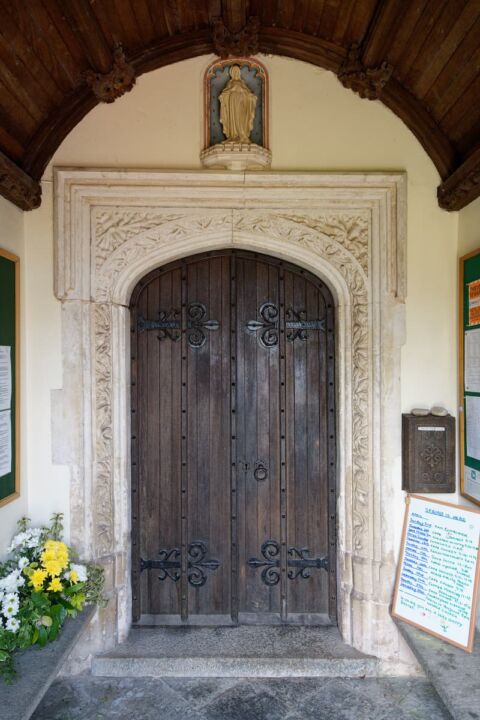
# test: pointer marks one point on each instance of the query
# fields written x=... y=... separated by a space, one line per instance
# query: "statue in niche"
x=237 y=108
x=236 y=115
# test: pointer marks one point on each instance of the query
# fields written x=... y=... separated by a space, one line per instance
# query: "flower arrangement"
x=40 y=586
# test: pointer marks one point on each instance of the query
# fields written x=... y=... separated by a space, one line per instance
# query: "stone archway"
x=113 y=227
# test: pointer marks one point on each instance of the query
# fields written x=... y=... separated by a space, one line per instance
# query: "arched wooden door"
x=233 y=443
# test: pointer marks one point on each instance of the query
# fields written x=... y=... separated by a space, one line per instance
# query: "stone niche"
x=113 y=227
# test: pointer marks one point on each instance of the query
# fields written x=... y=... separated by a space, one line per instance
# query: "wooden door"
x=233 y=443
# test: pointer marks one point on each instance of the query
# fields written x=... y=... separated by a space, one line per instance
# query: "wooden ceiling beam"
x=461 y=181
x=462 y=186
x=17 y=186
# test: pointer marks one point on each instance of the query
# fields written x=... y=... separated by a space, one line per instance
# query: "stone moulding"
x=113 y=227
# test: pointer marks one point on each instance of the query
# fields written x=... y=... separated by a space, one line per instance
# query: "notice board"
x=469 y=375
x=9 y=377
x=438 y=571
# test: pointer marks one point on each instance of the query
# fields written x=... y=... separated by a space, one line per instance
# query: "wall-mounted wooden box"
x=428 y=453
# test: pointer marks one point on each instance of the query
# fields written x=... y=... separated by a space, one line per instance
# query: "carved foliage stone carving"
x=238 y=44
x=103 y=503
x=109 y=86
x=122 y=236
x=366 y=82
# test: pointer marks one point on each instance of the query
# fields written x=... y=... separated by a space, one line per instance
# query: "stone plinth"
x=236 y=156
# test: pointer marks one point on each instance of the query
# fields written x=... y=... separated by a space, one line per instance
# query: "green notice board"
x=9 y=377
x=469 y=375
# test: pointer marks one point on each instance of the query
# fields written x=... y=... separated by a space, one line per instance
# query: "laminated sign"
x=474 y=303
x=438 y=572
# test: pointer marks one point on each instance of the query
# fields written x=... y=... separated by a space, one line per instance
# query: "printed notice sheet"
x=436 y=581
x=474 y=303
x=5 y=377
x=472 y=422
x=5 y=442
x=472 y=361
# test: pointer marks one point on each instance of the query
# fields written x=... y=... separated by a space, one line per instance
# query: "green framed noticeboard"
x=469 y=375
x=9 y=377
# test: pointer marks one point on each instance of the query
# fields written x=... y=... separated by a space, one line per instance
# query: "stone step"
x=454 y=673
x=243 y=651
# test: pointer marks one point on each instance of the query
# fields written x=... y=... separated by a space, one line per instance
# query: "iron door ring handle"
x=260 y=473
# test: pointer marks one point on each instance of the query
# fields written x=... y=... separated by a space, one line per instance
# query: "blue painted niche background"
x=254 y=81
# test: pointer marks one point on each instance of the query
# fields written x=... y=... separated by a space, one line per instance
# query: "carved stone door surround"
x=113 y=227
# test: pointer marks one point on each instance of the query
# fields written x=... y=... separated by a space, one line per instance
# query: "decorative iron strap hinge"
x=296 y=323
x=170 y=564
x=170 y=325
x=298 y=562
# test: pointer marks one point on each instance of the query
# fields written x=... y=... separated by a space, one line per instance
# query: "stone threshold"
x=37 y=668
x=454 y=673
x=242 y=652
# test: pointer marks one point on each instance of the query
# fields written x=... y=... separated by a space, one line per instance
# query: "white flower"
x=33 y=537
x=11 y=582
x=81 y=571
x=23 y=562
x=26 y=539
x=10 y=605
x=17 y=541
x=12 y=624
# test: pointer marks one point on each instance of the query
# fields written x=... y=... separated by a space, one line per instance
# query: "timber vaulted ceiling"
x=59 y=58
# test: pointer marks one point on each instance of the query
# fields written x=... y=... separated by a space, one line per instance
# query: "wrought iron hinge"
x=295 y=322
x=170 y=564
x=298 y=562
x=170 y=326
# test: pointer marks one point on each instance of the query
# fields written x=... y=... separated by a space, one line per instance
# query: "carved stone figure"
x=237 y=108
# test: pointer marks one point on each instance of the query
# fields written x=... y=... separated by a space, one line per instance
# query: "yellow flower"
x=54 y=557
x=53 y=567
x=73 y=577
x=55 y=585
x=37 y=578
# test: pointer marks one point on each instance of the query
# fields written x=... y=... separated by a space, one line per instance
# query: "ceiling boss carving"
x=366 y=82
x=235 y=44
x=107 y=87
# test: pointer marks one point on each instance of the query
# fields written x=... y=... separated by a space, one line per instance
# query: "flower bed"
x=40 y=586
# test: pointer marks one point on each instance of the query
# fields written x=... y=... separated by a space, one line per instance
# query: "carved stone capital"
x=17 y=186
x=366 y=82
x=109 y=86
x=238 y=44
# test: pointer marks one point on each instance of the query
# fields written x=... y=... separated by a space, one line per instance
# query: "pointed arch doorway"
x=233 y=450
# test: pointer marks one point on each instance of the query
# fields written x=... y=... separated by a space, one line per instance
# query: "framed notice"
x=9 y=377
x=436 y=588
x=469 y=375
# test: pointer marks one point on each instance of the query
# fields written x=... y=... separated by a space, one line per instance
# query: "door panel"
x=233 y=443
x=258 y=426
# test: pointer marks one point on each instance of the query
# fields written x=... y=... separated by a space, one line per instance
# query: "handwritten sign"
x=438 y=573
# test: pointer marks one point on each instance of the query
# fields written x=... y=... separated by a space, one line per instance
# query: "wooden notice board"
x=9 y=377
x=469 y=375
x=438 y=572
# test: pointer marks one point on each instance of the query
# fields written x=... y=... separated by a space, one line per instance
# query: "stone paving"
x=89 y=698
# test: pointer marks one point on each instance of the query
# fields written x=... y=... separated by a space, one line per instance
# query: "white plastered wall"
x=315 y=125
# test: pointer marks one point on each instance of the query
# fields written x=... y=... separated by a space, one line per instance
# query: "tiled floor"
x=89 y=698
